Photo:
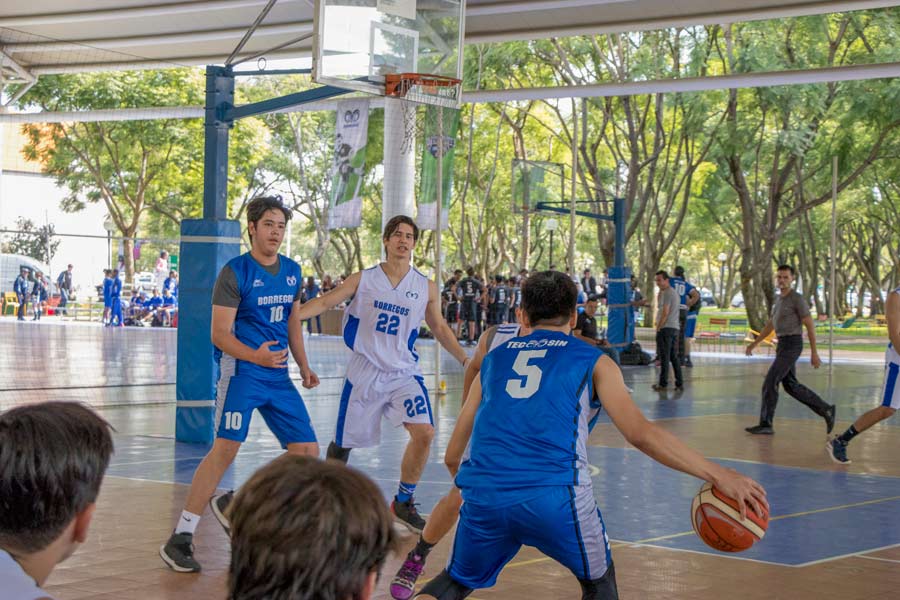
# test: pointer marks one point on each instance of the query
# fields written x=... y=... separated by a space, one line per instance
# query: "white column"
x=399 y=160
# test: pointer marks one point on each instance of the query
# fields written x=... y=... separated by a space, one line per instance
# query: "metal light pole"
x=551 y=225
x=109 y=226
x=722 y=258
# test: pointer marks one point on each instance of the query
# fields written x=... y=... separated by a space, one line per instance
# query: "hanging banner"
x=427 y=216
x=351 y=132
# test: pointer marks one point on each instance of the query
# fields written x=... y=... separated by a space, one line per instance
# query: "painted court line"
x=848 y=555
x=890 y=560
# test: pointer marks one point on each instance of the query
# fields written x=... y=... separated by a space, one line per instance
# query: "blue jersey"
x=107 y=288
x=683 y=289
x=262 y=315
x=115 y=287
x=537 y=409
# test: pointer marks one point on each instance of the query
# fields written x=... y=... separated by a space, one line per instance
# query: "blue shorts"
x=278 y=402
x=562 y=522
x=690 y=325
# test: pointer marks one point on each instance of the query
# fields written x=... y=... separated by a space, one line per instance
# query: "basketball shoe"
x=404 y=583
x=407 y=514
x=837 y=450
x=178 y=553
x=219 y=506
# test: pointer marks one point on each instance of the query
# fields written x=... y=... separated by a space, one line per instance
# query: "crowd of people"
x=157 y=309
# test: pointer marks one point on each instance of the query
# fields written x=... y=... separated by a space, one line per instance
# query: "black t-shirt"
x=449 y=296
x=501 y=295
x=587 y=325
x=471 y=289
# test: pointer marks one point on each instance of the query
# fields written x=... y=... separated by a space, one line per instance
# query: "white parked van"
x=11 y=264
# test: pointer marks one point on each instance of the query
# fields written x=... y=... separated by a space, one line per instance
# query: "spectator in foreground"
x=54 y=456
x=303 y=529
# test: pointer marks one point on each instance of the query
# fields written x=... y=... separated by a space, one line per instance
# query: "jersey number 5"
x=515 y=387
x=388 y=324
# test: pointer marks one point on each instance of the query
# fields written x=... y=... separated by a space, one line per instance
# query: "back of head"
x=470 y=271
x=549 y=298
x=679 y=271
x=304 y=529
x=53 y=458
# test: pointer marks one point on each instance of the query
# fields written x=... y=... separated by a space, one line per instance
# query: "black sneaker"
x=687 y=362
x=679 y=388
x=658 y=388
x=829 y=418
x=407 y=514
x=178 y=553
x=760 y=429
x=837 y=450
x=219 y=506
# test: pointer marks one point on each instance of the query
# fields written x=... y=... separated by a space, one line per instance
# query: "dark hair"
x=457 y=272
x=549 y=297
x=663 y=273
x=54 y=455
x=786 y=268
x=470 y=271
x=260 y=205
x=395 y=222
x=498 y=278
x=679 y=271
x=304 y=529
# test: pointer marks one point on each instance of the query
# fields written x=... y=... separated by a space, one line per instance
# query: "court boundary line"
x=890 y=560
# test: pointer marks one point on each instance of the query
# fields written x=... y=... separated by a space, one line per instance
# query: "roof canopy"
x=52 y=36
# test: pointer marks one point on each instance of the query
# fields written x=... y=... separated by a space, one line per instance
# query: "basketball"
x=717 y=521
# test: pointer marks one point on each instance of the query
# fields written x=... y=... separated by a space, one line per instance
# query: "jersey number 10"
x=276 y=314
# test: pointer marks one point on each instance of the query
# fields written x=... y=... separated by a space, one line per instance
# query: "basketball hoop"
x=424 y=88
x=420 y=88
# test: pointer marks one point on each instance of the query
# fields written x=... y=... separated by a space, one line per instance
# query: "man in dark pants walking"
x=789 y=314
x=667 y=328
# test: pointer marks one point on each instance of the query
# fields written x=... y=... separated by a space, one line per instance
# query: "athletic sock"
x=405 y=491
x=848 y=435
x=422 y=548
x=187 y=523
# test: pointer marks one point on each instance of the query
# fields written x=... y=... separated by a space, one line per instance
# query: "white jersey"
x=382 y=322
x=503 y=334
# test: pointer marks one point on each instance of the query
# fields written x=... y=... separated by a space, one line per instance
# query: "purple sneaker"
x=404 y=584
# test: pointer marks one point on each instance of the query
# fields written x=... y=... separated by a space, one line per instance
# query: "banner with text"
x=351 y=132
x=427 y=216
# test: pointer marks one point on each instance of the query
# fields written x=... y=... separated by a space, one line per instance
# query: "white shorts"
x=890 y=391
x=370 y=393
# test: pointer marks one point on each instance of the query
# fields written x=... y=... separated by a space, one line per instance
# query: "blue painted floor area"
x=642 y=500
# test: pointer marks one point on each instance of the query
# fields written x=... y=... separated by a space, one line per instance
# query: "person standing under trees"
x=64 y=283
x=789 y=314
x=38 y=295
x=666 y=333
x=890 y=392
x=255 y=323
x=688 y=297
x=471 y=292
x=20 y=287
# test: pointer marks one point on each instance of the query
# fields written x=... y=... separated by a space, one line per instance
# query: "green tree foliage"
x=32 y=240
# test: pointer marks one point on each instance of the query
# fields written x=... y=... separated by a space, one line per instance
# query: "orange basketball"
x=717 y=520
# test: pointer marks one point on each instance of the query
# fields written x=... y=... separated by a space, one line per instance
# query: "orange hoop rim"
x=397 y=84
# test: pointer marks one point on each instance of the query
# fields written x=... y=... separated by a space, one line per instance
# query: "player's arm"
x=892 y=314
x=811 y=334
x=663 y=315
x=584 y=338
x=693 y=297
x=769 y=328
x=298 y=348
x=438 y=325
x=473 y=367
x=224 y=339
x=665 y=448
x=462 y=432
x=320 y=304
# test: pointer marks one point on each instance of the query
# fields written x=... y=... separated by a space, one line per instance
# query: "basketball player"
x=890 y=394
x=381 y=325
x=527 y=478
x=499 y=301
x=472 y=292
x=255 y=321
x=445 y=513
x=688 y=298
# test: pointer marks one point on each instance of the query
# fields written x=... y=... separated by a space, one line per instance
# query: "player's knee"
x=602 y=588
x=444 y=587
x=421 y=433
x=336 y=452
x=224 y=451
x=886 y=412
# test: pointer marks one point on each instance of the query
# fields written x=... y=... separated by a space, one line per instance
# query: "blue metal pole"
x=219 y=99
x=619 y=223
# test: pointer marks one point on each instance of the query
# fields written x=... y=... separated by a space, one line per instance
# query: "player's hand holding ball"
x=719 y=512
x=274 y=359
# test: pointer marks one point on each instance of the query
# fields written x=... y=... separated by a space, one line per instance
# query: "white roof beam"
x=187 y=37
x=134 y=12
x=712 y=18
x=690 y=84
